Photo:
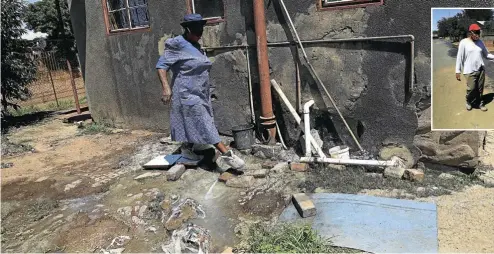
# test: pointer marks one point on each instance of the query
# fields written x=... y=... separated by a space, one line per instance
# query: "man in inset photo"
x=470 y=55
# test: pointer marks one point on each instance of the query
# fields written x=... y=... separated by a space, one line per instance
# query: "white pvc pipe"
x=277 y=88
x=351 y=161
x=307 y=105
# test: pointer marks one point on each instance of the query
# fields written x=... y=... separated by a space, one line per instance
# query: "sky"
x=438 y=14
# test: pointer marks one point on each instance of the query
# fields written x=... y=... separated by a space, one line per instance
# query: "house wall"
x=367 y=80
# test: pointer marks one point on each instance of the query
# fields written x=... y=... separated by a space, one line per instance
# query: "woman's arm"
x=167 y=92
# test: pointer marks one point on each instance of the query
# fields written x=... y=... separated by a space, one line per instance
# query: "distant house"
x=119 y=43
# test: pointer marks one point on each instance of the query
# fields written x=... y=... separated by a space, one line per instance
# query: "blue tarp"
x=373 y=224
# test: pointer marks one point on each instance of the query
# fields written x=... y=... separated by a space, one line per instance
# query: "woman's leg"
x=481 y=84
x=221 y=147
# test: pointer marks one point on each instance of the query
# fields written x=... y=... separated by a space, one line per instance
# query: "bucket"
x=340 y=152
x=243 y=136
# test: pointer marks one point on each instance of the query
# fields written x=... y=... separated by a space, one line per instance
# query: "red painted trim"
x=354 y=4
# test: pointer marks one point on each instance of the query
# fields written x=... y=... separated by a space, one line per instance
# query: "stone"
x=304 y=205
x=147 y=175
x=240 y=182
x=41 y=179
x=224 y=177
x=260 y=154
x=126 y=211
x=129 y=195
x=166 y=205
x=420 y=190
x=280 y=167
x=488 y=178
x=138 y=221
x=137 y=196
x=393 y=172
x=446 y=176
x=175 y=172
x=288 y=156
x=270 y=151
x=269 y=164
x=424 y=122
x=414 y=175
x=258 y=173
x=151 y=229
x=386 y=153
x=72 y=185
x=142 y=210
x=420 y=166
x=299 y=167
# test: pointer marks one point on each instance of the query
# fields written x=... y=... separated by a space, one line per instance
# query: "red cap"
x=474 y=27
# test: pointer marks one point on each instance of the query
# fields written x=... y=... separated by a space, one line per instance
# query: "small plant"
x=289 y=238
x=95 y=128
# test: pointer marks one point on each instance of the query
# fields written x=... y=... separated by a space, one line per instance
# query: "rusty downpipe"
x=268 y=120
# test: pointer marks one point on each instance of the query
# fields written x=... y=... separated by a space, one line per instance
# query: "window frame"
x=106 y=15
x=211 y=20
x=349 y=5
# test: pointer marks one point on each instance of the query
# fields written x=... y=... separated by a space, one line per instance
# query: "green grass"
x=49 y=106
x=290 y=238
x=95 y=128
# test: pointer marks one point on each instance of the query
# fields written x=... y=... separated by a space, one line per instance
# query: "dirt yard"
x=77 y=193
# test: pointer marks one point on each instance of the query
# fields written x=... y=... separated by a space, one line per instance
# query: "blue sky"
x=438 y=14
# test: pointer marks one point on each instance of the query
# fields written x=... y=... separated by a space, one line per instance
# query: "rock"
x=288 y=156
x=241 y=182
x=446 y=176
x=299 y=167
x=41 y=179
x=424 y=122
x=126 y=211
x=151 y=229
x=72 y=185
x=304 y=205
x=269 y=164
x=393 y=172
x=260 y=154
x=414 y=175
x=258 y=173
x=174 y=197
x=421 y=190
x=402 y=152
x=138 y=221
x=129 y=195
x=488 y=178
x=280 y=167
x=175 y=172
x=224 y=177
x=147 y=175
x=137 y=196
x=420 y=166
x=270 y=151
x=142 y=210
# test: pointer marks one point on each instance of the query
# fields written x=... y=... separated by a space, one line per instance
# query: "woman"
x=469 y=58
x=191 y=118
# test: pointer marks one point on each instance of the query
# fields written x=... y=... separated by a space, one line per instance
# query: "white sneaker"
x=233 y=160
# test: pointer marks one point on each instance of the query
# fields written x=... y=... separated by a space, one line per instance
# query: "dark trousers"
x=475 y=87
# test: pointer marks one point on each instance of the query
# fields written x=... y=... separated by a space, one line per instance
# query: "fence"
x=54 y=81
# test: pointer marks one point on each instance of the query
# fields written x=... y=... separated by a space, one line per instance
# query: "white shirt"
x=469 y=57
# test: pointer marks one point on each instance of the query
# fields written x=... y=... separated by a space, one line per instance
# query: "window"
x=340 y=4
x=211 y=10
x=125 y=15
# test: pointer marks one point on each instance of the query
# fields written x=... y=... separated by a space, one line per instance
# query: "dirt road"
x=448 y=98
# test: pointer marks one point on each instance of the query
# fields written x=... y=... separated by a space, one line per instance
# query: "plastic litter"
x=189 y=239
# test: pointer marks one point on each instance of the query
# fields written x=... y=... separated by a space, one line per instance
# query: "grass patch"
x=290 y=238
x=352 y=180
x=11 y=148
x=95 y=128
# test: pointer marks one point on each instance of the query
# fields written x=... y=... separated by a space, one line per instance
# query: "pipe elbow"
x=307 y=106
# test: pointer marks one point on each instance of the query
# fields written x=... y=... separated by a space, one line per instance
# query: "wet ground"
x=448 y=97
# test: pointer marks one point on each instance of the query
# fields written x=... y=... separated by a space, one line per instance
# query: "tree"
x=43 y=16
x=18 y=69
x=479 y=14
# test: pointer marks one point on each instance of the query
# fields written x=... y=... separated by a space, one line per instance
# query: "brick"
x=225 y=177
x=269 y=164
x=299 y=167
x=393 y=172
x=304 y=205
x=414 y=175
x=240 y=182
x=175 y=172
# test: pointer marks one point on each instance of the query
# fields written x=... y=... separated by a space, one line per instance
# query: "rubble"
x=488 y=178
x=257 y=173
x=267 y=151
x=175 y=172
x=147 y=175
x=240 y=182
x=414 y=175
x=189 y=239
x=269 y=164
x=394 y=172
x=183 y=212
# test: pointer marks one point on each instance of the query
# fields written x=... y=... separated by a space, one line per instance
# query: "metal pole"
x=74 y=88
x=253 y=114
x=52 y=85
x=262 y=58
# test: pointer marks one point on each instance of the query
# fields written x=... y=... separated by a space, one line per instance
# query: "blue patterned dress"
x=191 y=118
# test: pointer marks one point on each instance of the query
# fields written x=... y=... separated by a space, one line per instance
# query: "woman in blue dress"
x=191 y=117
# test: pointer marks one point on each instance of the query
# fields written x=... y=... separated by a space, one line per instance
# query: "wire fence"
x=56 y=78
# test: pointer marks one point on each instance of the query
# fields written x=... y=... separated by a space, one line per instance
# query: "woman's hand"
x=167 y=96
x=458 y=76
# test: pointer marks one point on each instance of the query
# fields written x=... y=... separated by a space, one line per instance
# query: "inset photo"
x=462 y=69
